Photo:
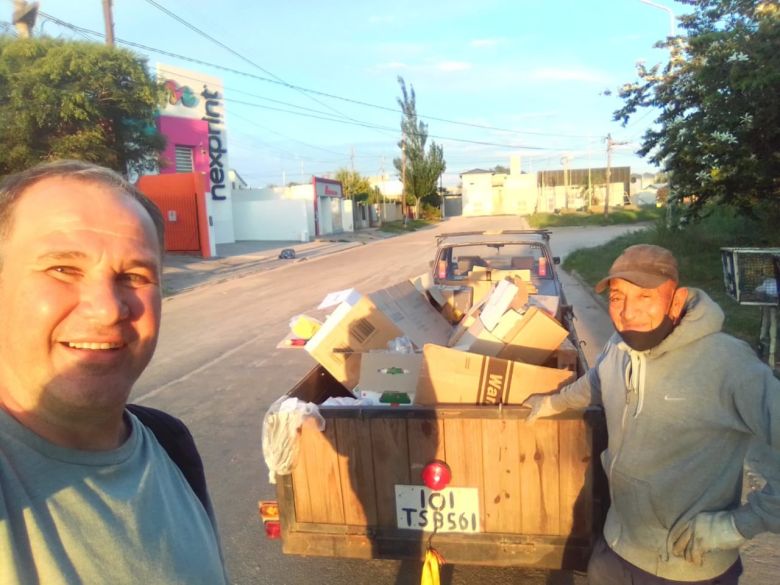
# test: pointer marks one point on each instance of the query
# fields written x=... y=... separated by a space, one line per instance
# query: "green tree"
x=718 y=131
x=63 y=99
x=423 y=168
x=355 y=185
x=501 y=169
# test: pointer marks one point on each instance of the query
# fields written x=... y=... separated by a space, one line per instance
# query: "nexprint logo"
x=180 y=93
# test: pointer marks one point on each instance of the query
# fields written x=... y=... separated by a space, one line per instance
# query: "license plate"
x=449 y=510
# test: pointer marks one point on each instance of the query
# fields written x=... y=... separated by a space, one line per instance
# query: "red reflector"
x=269 y=510
x=273 y=529
x=436 y=475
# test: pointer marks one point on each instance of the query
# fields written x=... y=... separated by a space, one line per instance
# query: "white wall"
x=282 y=219
x=477 y=194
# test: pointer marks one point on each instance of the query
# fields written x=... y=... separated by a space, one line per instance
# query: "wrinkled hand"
x=706 y=532
x=541 y=406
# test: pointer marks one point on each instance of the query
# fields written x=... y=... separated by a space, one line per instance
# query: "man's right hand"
x=541 y=406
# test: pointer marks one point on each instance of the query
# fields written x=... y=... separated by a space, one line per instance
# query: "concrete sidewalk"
x=183 y=272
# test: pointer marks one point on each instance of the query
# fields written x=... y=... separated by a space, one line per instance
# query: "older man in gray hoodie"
x=683 y=401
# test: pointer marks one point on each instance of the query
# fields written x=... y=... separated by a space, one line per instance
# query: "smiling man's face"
x=79 y=299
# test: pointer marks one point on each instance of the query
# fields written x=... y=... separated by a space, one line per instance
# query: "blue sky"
x=531 y=74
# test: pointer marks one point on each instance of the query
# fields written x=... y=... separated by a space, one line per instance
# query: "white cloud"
x=450 y=66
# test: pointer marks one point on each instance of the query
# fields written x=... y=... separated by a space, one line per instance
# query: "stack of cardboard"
x=361 y=323
x=502 y=349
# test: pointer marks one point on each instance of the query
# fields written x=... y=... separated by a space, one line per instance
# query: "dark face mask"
x=644 y=340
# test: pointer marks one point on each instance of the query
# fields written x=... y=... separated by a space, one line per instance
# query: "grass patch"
x=398 y=227
x=596 y=218
x=697 y=249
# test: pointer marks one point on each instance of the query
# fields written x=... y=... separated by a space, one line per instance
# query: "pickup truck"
x=529 y=495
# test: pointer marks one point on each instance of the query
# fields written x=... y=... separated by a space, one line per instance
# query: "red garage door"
x=180 y=197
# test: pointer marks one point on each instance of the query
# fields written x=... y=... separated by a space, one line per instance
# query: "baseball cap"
x=644 y=265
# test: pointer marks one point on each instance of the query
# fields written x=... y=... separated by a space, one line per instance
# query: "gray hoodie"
x=680 y=417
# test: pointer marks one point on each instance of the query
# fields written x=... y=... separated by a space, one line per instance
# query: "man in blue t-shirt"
x=89 y=492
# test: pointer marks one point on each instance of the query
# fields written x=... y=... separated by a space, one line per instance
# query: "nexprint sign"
x=214 y=106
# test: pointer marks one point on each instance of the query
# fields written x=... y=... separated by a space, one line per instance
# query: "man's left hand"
x=707 y=531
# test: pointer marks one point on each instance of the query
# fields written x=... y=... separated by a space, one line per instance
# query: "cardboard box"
x=534 y=338
x=497 y=303
x=390 y=371
x=370 y=323
x=457 y=301
x=452 y=376
x=529 y=337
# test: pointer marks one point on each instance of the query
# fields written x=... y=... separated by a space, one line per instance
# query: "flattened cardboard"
x=497 y=303
x=457 y=301
x=412 y=313
x=389 y=371
x=452 y=376
x=371 y=323
x=536 y=337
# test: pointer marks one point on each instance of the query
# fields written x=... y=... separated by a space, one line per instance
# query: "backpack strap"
x=174 y=436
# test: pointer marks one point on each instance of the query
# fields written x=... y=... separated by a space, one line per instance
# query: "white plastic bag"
x=280 y=433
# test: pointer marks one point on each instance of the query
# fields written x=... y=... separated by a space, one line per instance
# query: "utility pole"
x=610 y=144
x=108 y=17
x=23 y=17
x=565 y=162
x=403 y=177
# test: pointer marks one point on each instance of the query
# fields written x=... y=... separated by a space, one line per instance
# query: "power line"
x=235 y=53
x=300 y=88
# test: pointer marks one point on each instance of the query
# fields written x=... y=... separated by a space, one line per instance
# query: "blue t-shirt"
x=122 y=516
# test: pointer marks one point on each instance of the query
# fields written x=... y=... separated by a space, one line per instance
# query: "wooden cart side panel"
x=353 y=438
x=321 y=501
x=390 y=446
x=426 y=443
x=539 y=476
x=463 y=453
x=500 y=464
x=577 y=488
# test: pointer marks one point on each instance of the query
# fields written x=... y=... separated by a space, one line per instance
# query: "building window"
x=184 y=159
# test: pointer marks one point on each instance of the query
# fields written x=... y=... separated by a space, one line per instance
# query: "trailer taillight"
x=269 y=513
x=273 y=529
x=542 y=266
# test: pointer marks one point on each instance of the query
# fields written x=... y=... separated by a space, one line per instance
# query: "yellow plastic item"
x=304 y=327
x=431 y=565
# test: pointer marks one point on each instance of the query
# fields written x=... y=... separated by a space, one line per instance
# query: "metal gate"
x=177 y=195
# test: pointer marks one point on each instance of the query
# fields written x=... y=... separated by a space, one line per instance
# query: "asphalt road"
x=217 y=367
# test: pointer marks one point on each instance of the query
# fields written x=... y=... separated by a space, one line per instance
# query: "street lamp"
x=672 y=34
x=672 y=17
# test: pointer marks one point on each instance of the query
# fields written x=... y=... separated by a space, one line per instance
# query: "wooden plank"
x=320 y=488
x=576 y=465
x=389 y=445
x=478 y=549
x=300 y=486
x=353 y=438
x=500 y=455
x=426 y=443
x=539 y=477
x=463 y=453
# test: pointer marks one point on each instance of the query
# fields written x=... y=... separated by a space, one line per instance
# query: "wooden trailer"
x=521 y=494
